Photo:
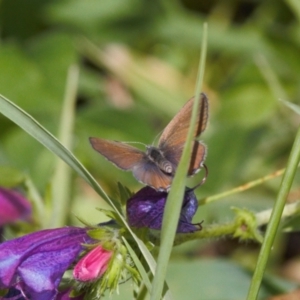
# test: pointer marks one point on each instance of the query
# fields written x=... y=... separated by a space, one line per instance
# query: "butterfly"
x=156 y=166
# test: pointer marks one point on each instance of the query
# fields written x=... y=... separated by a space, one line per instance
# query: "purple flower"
x=146 y=208
x=35 y=263
x=13 y=206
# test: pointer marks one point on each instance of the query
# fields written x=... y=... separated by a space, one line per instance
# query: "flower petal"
x=38 y=261
x=13 y=206
x=146 y=208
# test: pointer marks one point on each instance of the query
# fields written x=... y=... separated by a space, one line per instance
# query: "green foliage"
x=138 y=63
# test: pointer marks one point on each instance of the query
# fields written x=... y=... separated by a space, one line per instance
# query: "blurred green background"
x=138 y=64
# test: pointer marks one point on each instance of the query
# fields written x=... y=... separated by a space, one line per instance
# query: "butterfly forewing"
x=174 y=135
x=122 y=155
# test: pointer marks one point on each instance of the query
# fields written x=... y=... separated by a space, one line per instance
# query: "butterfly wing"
x=121 y=155
x=176 y=131
x=127 y=158
x=172 y=140
x=150 y=174
x=197 y=158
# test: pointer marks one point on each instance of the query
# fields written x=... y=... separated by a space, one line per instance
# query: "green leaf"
x=124 y=193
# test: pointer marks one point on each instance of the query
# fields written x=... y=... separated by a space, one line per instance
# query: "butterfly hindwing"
x=149 y=173
x=197 y=158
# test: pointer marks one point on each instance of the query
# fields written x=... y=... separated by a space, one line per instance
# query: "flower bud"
x=13 y=206
x=93 y=265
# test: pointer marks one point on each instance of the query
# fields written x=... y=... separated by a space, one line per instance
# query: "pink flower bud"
x=92 y=265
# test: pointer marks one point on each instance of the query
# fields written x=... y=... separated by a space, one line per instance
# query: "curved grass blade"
x=42 y=135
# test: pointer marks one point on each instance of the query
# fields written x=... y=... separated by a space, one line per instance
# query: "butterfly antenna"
x=156 y=137
x=204 y=178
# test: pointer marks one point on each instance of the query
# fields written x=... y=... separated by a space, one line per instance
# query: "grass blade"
x=272 y=228
x=42 y=135
x=61 y=181
x=173 y=205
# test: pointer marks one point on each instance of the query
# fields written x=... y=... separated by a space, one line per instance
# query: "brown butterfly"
x=156 y=167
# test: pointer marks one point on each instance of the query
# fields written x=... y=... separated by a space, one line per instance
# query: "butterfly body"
x=156 y=166
x=157 y=156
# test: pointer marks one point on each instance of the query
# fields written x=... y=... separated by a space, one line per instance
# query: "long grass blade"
x=272 y=228
x=42 y=135
x=174 y=201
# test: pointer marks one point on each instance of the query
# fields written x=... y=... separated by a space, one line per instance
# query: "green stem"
x=39 y=205
x=242 y=188
x=272 y=228
x=221 y=230
x=61 y=182
x=212 y=231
